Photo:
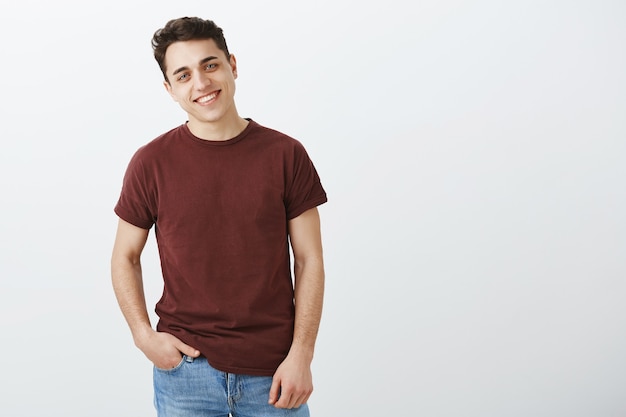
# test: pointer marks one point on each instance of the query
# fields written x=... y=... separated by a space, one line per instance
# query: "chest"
x=200 y=190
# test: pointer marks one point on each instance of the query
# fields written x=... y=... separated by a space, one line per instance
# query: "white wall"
x=474 y=153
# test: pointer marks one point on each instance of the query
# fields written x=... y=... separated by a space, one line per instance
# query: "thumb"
x=274 y=391
x=188 y=350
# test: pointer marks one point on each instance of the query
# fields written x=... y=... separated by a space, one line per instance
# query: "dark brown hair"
x=185 y=29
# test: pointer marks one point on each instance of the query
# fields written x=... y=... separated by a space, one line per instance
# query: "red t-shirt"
x=220 y=210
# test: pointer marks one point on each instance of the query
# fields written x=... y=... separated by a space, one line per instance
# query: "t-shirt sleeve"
x=136 y=203
x=304 y=190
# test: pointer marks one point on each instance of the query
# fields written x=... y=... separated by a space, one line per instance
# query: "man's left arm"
x=293 y=382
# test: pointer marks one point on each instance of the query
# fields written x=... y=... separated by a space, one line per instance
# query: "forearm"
x=309 y=295
x=128 y=287
x=293 y=381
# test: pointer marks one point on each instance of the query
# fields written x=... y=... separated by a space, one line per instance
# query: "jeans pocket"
x=174 y=369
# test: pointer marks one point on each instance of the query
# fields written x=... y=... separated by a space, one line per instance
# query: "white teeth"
x=206 y=98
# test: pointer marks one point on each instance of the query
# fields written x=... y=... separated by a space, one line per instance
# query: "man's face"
x=201 y=80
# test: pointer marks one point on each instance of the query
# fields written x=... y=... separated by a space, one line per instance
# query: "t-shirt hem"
x=124 y=215
x=241 y=371
x=307 y=206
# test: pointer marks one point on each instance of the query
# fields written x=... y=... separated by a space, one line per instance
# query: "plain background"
x=474 y=154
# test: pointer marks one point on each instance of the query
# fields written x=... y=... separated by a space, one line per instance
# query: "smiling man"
x=228 y=199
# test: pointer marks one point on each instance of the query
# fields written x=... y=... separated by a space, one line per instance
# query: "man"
x=228 y=198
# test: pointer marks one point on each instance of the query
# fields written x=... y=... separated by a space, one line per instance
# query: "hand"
x=292 y=384
x=165 y=350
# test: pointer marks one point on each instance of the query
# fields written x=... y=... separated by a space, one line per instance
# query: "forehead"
x=191 y=53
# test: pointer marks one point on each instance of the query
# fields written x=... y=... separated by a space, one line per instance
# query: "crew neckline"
x=206 y=142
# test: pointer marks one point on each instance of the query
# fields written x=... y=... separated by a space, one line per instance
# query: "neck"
x=221 y=130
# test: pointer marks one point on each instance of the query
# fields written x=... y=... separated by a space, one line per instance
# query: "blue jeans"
x=195 y=389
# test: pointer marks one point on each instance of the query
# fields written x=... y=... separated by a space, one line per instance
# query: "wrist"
x=141 y=335
x=302 y=352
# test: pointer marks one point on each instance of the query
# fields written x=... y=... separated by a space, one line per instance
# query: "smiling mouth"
x=207 y=98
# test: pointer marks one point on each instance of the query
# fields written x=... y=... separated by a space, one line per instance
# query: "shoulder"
x=158 y=146
x=274 y=137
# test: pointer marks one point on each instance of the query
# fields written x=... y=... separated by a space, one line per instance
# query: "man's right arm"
x=163 y=349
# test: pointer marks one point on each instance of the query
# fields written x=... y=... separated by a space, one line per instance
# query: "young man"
x=227 y=197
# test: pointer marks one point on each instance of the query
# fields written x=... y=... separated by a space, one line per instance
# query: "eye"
x=210 y=67
x=182 y=77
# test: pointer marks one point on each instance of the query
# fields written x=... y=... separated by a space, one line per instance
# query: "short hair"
x=185 y=29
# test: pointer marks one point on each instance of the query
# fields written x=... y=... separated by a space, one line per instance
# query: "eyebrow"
x=202 y=61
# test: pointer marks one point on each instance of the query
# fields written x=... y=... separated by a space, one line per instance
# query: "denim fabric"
x=195 y=389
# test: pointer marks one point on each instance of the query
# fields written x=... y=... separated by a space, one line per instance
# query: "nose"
x=201 y=81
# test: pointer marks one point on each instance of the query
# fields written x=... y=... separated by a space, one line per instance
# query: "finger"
x=283 y=401
x=187 y=350
x=303 y=400
x=274 y=390
x=288 y=398
x=296 y=400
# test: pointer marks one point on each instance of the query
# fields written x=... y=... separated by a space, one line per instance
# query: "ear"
x=168 y=88
x=233 y=65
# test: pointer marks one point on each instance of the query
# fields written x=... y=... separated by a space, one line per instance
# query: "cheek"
x=176 y=94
